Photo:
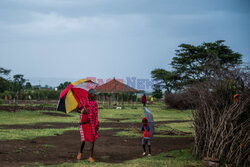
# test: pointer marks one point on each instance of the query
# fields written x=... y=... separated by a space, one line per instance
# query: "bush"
x=45 y=94
x=178 y=100
x=157 y=93
x=8 y=94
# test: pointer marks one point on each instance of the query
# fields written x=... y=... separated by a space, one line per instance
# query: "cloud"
x=44 y=2
x=55 y=23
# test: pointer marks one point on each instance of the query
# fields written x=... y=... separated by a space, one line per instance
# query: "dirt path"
x=59 y=125
x=108 y=148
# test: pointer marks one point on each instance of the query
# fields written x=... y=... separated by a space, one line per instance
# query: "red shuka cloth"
x=88 y=131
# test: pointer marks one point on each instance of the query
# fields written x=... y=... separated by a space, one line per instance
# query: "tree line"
x=20 y=88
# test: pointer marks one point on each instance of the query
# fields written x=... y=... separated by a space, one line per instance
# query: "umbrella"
x=74 y=95
x=151 y=122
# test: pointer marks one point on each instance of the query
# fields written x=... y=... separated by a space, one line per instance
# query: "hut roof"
x=114 y=86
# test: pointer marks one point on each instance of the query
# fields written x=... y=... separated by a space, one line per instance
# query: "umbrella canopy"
x=151 y=122
x=74 y=95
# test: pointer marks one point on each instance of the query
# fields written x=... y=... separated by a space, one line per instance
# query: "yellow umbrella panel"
x=73 y=96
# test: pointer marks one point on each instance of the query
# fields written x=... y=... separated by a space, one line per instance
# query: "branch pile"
x=222 y=125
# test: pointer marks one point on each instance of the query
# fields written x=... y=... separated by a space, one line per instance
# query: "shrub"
x=178 y=100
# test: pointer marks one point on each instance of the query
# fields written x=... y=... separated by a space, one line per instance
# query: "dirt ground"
x=108 y=148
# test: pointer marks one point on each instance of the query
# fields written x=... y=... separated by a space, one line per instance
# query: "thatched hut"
x=116 y=89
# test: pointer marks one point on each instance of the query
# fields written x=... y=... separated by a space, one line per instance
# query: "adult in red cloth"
x=89 y=124
x=144 y=100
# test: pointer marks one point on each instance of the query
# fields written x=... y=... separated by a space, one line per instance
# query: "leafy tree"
x=4 y=71
x=63 y=85
x=165 y=79
x=28 y=85
x=4 y=83
x=18 y=82
x=157 y=93
x=194 y=63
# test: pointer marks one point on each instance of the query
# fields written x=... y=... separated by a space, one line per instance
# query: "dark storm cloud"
x=122 y=37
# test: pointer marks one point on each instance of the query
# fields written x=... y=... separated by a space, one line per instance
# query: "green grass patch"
x=128 y=133
x=18 y=150
x=135 y=115
x=33 y=117
x=36 y=152
x=130 y=115
x=49 y=146
x=24 y=134
x=179 y=158
x=105 y=157
x=181 y=126
x=101 y=128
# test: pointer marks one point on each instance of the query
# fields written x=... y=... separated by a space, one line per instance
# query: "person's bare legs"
x=91 y=152
x=144 y=149
x=82 y=146
x=79 y=155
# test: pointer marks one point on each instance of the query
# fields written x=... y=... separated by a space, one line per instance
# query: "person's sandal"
x=91 y=160
x=79 y=156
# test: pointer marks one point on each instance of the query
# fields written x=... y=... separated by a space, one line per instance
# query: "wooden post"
x=111 y=100
x=136 y=100
x=103 y=98
x=117 y=98
x=122 y=100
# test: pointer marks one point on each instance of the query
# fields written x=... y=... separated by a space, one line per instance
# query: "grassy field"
x=178 y=158
x=127 y=115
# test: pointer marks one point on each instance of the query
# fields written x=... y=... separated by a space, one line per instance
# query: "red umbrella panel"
x=75 y=95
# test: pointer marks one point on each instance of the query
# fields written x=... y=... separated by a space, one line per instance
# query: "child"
x=146 y=136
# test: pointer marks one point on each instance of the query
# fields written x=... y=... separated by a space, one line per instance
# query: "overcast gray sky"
x=51 y=40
